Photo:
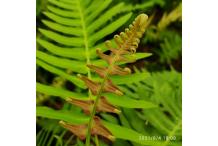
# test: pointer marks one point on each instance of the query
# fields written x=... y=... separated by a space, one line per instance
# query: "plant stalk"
x=96 y=140
x=97 y=100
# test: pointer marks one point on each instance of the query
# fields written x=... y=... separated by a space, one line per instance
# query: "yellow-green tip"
x=117 y=111
x=68 y=99
x=79 y=75
x=119 y=92
x=142 y=19
x=62 y=122
x=112 y=138
x=127 y=69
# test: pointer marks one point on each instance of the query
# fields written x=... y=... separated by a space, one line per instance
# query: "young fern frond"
x=127 y=43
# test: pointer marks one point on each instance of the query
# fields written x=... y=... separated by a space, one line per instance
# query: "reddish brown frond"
x=116 y=70
x=126 y=44
x=97 y=129
x=105 y=57
x=120 y=71
x=101 y=71
x=110 y=87
x=93 y=86
x=78 y=130
x=87 y=105
x=105 y=106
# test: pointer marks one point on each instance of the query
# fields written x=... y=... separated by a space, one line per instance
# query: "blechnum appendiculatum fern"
x=67 y=46
x=126 y=43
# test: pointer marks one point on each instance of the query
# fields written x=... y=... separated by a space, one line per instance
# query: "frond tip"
x=142 y=18
x=126 y=42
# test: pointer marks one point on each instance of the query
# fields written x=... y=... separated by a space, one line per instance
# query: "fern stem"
x=94 y=110
x=96 y=140
x=97 y=99
x=85 y=41
x=85 y=37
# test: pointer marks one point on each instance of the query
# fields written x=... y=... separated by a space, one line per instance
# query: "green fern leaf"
x=119 y=101
x=126 y=134
x=164 y=90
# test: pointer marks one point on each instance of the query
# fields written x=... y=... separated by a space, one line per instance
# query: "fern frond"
x=171 y=47
x=164 y=90
x=74 y=29
x=126 y=44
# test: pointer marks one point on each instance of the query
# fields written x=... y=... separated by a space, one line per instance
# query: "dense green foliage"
x=68 y=34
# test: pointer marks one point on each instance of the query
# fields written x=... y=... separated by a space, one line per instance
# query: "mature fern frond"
x=163 y=89
x=171 y=47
